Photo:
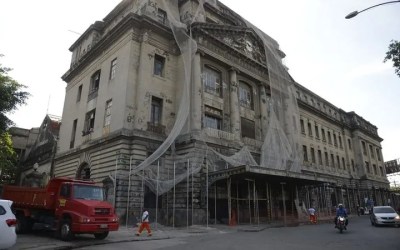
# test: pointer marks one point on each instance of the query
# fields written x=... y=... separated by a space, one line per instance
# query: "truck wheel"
x=23 y=224
x=65 y=230
x=101 y=236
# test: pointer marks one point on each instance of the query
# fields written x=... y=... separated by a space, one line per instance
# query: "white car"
x=8 y=222
x=384 y=215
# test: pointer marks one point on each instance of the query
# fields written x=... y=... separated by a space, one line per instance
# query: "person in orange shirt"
x=144 y=224
x=313 y=216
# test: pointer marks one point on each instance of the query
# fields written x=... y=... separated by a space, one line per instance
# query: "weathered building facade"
x=188 y=102
x=36 y=150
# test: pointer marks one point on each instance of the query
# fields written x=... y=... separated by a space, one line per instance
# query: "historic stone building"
x=36 y=149
x=188 y=102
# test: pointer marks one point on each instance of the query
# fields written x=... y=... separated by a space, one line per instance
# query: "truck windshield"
x=85 y=192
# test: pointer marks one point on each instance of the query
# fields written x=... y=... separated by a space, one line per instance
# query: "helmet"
x=340 y=205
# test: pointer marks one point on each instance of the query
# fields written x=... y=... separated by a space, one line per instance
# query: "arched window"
x=83 y=172
x=245 y=95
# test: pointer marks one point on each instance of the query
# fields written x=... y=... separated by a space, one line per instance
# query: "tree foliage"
x=11 y=96
x=394 y=54
x=8 y=159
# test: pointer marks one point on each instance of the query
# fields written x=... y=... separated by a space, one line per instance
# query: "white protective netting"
x=280 y=148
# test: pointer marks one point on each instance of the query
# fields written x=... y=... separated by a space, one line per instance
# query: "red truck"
x=66 y=206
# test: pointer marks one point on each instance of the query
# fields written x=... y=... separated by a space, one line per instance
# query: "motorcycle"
x=341 y=223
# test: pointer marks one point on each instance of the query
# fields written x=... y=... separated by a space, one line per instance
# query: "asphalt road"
x=360 y=235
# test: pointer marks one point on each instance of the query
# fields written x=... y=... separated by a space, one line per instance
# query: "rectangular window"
x=309 y=129
x=338 y=161
x=316 y=131
x=305 y=155
x=371 y=151
x=245 y=95
x=378 y=154
x=364 y=148
x=248 y=128
x=326 y=159
x=78 y=97
x=162 y=16
x=107 y=113
x=113 y=68
x=349 y=142
x=340 y=142
x=159 y=64
x=94 y=85
x=89 y=122
x=73 y=134
x=334 y=140
x=302 y=126
x=319 y=157
x=333 y=160
x=352 y=165
x=312 y=155
x=212 y=81
x=381 y=170
x=156 y=111
x=323 y=134
x=343 y=163
x=329 y=137
x=375 y=169
x=95 y=82
x=213 y=118
x=367 y=167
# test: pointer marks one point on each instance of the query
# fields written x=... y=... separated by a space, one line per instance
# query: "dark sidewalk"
x=41 y=241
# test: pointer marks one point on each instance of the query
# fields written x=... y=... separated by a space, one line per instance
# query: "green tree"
x=11 y=96
x=394 y=54
x=8 y=159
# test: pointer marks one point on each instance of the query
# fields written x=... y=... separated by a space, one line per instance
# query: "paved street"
x=361 y=235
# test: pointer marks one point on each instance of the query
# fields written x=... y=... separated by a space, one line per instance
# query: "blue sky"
x=339 y=59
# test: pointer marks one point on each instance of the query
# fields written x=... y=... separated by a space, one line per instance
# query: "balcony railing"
x=156 y=128
x=219 y=134
x=252 y=142
x=93 y=94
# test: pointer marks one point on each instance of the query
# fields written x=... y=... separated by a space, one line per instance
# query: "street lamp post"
x=355 y=13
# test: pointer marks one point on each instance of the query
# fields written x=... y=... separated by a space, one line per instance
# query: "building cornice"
x=131 y=21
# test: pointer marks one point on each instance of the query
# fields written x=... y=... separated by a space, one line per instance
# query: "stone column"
x=195 y=95
x=143 y=78
x=234 y=104
x=263 y=111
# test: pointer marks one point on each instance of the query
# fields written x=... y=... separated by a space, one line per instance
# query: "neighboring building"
x=36 y=148
x=392 y=166
x=223 y=130
x=23 y=139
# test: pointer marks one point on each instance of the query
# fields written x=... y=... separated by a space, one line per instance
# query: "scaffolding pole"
x=192 y=194
x=115 y=182
x=207 y=191
x=187 y=195
x=167 y=197
x=215 y=204
x=229 y=200
x=248 y=194
x=237 y=202
x=142 y=198
x=173 y=206
x=158 y=176
x=129 y=191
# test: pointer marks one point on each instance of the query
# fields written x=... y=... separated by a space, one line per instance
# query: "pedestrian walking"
x=313 y=216
x=358 y=210
x=144 y=224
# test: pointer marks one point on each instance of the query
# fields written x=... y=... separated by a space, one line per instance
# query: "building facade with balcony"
x=192 y=85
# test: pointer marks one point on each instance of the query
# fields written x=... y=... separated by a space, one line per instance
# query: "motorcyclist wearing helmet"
x=341 y=211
